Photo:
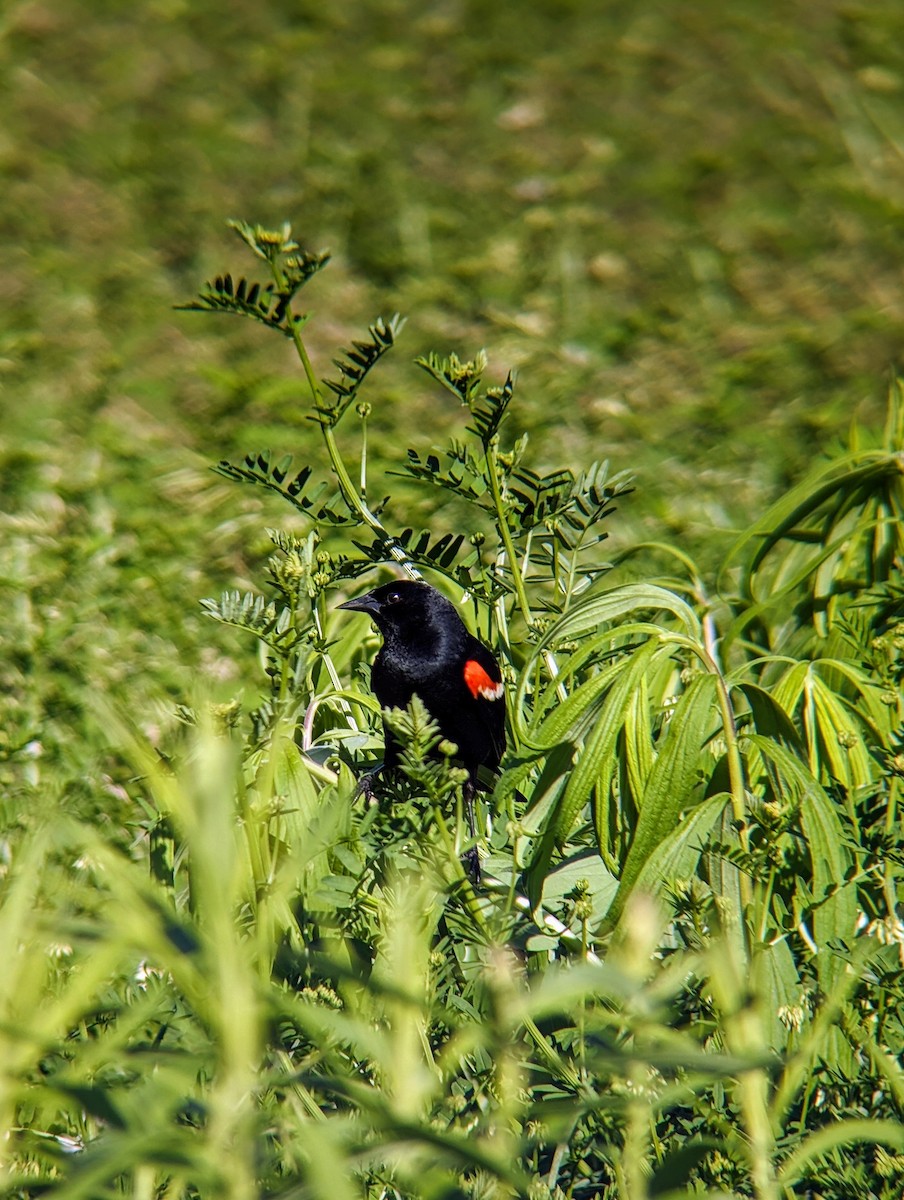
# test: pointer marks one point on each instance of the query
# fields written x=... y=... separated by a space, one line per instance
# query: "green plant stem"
x=635 y=1154
x=350 y=494
x=738 y=791
x=363 y=485
x=505 y=533
x=328 y=661
x=354 y=498
x=467 y=890
x=765 y=900
x=890 y=873
x=753 y=1087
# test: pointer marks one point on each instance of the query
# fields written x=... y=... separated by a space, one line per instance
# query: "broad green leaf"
x=769 y=717
x=845 y=476
x=678 y=854
x=597 y=760
x=828 y=720
x=841 y=525
x=678 y=768
x=836 y=916
x=612 y=606
x=639 y=739
x=542 y=817
x=547 y=792
x=725 y=880
x=567 y=716
x=780 y=985
x=838 y=725
x=788 y=691
x=604 y=656
x=584 y=867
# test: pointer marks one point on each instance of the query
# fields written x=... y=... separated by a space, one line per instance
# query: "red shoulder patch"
x=480 y=684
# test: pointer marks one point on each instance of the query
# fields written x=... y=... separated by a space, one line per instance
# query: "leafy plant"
x=682 y=973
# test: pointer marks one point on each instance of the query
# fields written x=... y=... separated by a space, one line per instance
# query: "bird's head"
x=407 y=611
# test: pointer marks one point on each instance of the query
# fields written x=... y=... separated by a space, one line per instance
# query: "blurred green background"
x=680 y=222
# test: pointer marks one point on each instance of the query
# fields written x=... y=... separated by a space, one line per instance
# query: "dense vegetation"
x=226 y=972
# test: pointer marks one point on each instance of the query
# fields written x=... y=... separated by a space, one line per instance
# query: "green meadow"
x=591 y=314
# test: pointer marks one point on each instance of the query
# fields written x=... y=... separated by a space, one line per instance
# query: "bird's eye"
x=393 y=598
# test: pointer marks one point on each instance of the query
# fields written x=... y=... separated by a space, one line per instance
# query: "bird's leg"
x=471 y=859
x=367 y=785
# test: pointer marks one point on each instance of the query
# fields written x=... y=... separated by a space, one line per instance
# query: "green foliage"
x=693 y=258
x=681 y=974
x=835 y=535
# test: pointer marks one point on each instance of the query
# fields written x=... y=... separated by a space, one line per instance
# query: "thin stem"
x=468 y=895
x=363 y=488
x=306 y=363
x=738 y=790
x=753 y=1093
x=505 y=532
x=889 y=883
x=765 y=901
x=735 y=775
x=354 y=498
x=286 y=668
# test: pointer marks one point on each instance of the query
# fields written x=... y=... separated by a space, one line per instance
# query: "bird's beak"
x=366 y=604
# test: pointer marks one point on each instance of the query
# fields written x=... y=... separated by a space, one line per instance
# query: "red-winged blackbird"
x=427 y=651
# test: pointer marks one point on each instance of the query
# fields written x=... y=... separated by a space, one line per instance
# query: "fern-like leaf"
x=488 y=411
x=355 y=366
x=463 y=474
x=267 y=304
x=318 y=502
x=463 y=381
x=438 y=556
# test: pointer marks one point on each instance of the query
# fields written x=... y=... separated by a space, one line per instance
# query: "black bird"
x=427 y=651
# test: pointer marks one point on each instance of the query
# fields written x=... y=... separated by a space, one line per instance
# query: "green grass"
x=226 y=975
x=678 y=224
